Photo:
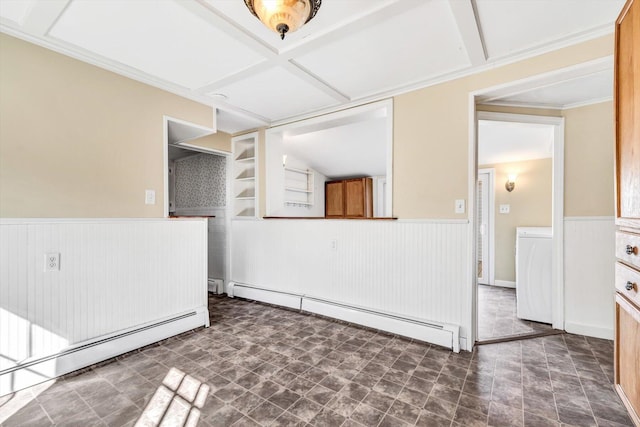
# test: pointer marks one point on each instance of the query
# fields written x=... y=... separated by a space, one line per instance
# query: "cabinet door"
x=627 y=349
x=358 y=198
x=334 y=199
x=627 y=93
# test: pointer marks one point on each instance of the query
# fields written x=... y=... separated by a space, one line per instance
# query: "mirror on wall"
x=302 y=157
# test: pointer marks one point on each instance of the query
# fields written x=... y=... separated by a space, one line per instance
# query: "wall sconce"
x=511 y=182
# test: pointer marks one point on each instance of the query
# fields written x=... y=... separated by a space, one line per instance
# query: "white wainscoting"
x=415 y=269
x=589 y=251
x=115 y=277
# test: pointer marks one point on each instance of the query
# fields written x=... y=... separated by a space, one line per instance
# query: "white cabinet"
x=245 y=175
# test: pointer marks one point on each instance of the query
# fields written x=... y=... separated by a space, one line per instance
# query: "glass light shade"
x=283 y=16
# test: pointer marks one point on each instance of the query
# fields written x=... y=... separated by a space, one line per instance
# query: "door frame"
x=557 y=222
x=492 y=223
x=199 y=131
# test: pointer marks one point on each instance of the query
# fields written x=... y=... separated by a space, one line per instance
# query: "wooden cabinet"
x=349 y=198
x=627 y=280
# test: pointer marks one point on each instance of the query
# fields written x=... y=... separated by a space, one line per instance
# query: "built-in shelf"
x=297 y=203
x=246 y=159
x=245 y=171
x=298 y=190
x=304 y=171
x=298 y=187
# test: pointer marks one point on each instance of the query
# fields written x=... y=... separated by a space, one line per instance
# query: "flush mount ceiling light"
x=284 y=16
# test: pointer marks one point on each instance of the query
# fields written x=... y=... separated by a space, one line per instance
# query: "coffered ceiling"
x=353 y=51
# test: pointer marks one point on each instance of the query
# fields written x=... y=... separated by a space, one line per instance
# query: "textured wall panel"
x=589 y=268
x=414 y=269
x=114 y=275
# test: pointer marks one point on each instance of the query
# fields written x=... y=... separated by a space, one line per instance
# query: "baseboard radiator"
x=445 y=335
x=215 y=286
x=37 y=370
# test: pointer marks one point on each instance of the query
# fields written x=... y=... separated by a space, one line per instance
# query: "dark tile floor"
x=497 y=314
x=260 y=365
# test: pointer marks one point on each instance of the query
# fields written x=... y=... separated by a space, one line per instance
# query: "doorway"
x=518 y=179
x=485 y=252
x=197 y=182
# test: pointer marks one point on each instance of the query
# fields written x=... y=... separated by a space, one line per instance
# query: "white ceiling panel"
x=411 y=46
x=15 y=10
x=233 y=123
x=579 y=91
x=509 y=27
x=160 y=38
x=501 y=142
x=355 y=149
x=275 y=93
x=333 y=14
x=352 y=51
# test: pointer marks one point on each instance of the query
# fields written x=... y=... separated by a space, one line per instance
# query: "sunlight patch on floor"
x=176 y=402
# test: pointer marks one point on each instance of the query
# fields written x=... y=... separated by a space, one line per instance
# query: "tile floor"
x=259 y=365
x=497 y=314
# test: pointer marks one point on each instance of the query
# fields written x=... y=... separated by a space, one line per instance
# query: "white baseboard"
x=87 y=354
x=589 y=330
x=270 y=297
x=445 y=335
x=504 y=284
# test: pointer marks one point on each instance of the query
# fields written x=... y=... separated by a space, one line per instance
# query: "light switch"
x=149 y=197
x=504 y=209
x=460 y=206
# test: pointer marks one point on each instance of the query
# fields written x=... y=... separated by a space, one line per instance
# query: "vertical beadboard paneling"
x=589 y=251
x=114 y=276
x=414 y=269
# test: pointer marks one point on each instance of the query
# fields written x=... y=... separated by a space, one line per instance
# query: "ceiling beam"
x=465 y=17
x=42 y=16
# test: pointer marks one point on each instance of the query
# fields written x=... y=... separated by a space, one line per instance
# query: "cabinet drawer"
x=628 y=277
x=628 y=248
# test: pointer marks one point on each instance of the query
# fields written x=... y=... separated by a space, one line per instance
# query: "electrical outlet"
x=150 y=197
x=504 y=209
x=460 y=206
x=334 y=244
x=52 y=262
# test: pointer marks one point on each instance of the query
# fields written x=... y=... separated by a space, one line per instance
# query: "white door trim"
x=557 y=267
x=492 y=223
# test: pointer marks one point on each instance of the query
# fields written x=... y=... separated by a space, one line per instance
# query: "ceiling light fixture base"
x=283 y=16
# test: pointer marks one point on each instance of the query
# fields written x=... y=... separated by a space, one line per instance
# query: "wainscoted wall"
x=414 y=269
x=201 y=181
x=589 y=250
x=115 y=276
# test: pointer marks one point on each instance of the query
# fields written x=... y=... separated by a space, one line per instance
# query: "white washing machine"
x=533 y=273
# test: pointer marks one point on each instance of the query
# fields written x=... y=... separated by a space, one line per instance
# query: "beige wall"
x=97 y=144
x=530 y=206
x=220 y=141
x=589 y=161
x=79 y=141
x=431 y=132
